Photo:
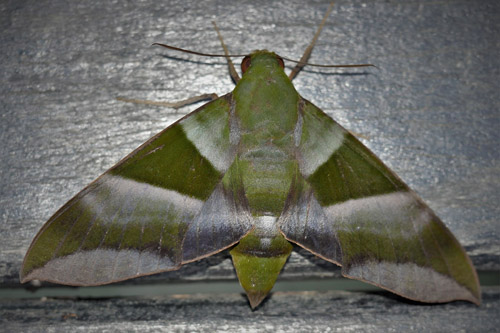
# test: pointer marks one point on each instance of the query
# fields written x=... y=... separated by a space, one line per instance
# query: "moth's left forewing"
x=349 y=208
x=171 y=201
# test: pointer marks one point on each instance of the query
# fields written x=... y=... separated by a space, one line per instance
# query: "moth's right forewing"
x=349 y=208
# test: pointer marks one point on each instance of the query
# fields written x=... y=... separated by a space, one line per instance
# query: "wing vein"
x=115 y=260
x=92 y=224
x=412 y=220
x=443 y=257
x=140 y=249
x=369 y=159
x=63 y=239
x=108 y=226
x=340 y=164
x=159 y=245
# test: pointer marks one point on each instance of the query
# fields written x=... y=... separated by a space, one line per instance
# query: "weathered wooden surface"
x=333 y=311
x=431 y=112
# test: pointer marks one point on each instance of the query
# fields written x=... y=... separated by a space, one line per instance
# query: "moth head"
x=261 y=57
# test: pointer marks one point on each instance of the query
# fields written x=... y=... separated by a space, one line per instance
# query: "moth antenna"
x=244 y=55
x=328 y=66
x=302 y=62
x=232 y=70
x=199 y=53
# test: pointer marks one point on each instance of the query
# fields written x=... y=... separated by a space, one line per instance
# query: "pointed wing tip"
x=462 y=294
x=24 y=277
x=476 y=299
x=30 y=277
x=34 y=278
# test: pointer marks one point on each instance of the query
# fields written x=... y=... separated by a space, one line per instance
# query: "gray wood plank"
x=333 y=311
x=430 y=111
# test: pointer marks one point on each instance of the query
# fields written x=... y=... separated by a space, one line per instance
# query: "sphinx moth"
x=254 y=171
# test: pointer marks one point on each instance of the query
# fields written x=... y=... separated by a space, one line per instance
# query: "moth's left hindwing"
x=169 y=202
x=349 y=208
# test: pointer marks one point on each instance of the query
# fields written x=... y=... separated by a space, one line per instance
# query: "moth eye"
x=245 y=63
x=281 y=62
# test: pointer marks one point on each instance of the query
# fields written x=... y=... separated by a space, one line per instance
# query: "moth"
x=254 y=171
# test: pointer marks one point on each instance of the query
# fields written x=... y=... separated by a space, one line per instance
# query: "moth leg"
x=232 y=70
x=175 y=105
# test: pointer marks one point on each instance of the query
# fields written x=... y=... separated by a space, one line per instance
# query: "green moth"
x=256 y=170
